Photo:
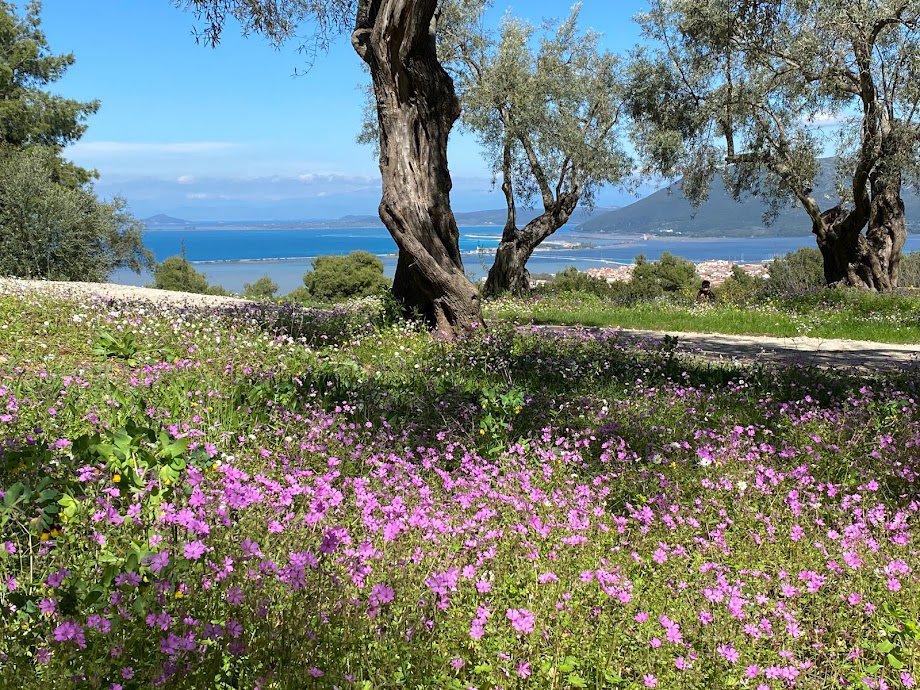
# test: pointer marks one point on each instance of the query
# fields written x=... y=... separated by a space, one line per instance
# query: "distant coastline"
x=232 y=256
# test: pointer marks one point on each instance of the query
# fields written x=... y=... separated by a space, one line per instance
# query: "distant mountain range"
x=494 y=217
x=668 y=212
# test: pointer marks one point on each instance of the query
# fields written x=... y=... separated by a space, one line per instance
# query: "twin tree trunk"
x=416 y=108
x=509 y=272
x=872 y=260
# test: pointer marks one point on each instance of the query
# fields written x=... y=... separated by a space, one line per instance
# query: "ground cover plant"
x=255 y=498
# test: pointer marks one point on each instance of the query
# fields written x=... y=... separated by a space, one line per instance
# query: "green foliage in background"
x=52 y=225
x=56 y=231
x=670 y=274
x=337 y=278
x=262 y=290
x=798 y=271
x=177 y=273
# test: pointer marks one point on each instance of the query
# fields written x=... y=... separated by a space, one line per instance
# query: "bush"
x=55 y=231
x=797 y=272
x=741 y=288
x=337 y=278
x=263 y=290
x=669 y=275
x=571 y=280
x=177 y=273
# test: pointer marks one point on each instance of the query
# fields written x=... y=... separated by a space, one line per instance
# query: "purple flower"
x=159 y=561
x=70 y=631
x=381 y=594
x=522 y=620
x=195 y=550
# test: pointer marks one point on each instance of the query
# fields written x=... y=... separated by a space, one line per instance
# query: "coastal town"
x=716 y=271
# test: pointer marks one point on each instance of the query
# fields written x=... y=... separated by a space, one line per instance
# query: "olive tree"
x=55 y=231
x=547 y=118
x=417 y=107
x=739 y=87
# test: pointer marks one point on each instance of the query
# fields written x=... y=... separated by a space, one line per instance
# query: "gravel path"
x=715 y=347
x=113 y=291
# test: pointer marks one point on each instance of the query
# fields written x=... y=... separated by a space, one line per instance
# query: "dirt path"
x=723 y=348
x=849 y=354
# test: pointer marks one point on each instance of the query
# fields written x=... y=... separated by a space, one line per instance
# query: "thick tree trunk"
x=509 y=272
x=886 y=234
x=416 y=108
x=843 y=248
x=869 y=261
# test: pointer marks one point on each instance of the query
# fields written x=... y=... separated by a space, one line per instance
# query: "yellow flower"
x=179 y=594
x=117 y=479
x=45 y=536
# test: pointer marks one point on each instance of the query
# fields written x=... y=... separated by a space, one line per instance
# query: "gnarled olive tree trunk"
x=843 y=248
x=867 y=261
x=509 y=272
x=416 y=108
x=886 y=233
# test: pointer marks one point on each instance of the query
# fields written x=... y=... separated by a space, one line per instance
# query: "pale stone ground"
x=714 y=347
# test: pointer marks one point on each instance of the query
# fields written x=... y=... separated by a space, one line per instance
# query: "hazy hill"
x=161 y=220
x=668 y=211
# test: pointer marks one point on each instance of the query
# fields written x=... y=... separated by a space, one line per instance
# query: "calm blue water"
x=236 y=255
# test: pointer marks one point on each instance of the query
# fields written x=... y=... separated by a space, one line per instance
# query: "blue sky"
x=230 y=133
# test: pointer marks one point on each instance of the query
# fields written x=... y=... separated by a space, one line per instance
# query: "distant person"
x=706 y=294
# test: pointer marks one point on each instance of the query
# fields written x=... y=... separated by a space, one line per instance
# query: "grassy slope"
x=862 y=317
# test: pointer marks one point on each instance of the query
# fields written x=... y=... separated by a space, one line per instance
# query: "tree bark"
x=869 y=261
x=887 y=233
x=416 y=108
x=509 y=271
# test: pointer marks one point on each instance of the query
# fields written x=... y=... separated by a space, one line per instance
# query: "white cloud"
x=186 y=179
x=822 y=119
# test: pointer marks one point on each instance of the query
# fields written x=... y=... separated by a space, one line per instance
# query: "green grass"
x=830 y=314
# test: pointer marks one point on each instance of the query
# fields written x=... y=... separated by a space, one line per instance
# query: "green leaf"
x=577 y=681
x=894 y=662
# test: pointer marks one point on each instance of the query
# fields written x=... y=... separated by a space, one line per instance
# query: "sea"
x=231 y=256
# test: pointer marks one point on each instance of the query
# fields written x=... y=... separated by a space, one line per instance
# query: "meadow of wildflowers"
x=258 y=499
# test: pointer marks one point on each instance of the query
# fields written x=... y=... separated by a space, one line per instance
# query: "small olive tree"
x=548 y=120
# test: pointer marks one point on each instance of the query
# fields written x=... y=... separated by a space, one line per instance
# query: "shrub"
x=177 y=273
x=741 y=288
x=571 y=280
x=263 y=290
x=797 y=272
x=56 y=231
x=337 y=278
x=910 y=270
x=670 y=274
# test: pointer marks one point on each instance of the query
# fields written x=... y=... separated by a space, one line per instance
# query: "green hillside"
x=668 y=211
